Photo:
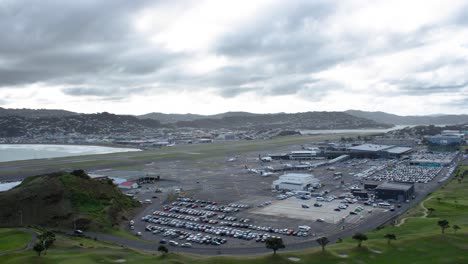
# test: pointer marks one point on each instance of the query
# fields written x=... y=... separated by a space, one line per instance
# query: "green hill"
x=69 y=200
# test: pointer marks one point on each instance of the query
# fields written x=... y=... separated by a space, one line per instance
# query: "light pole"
x=21 y=217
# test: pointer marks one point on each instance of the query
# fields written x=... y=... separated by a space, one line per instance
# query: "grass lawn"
x=419 y=240
x=11 y=239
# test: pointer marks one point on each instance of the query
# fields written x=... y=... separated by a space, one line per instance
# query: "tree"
x=444 y=224
x=274 y=243
x=163 y=249
x=47 y=240
x=390 y=237
x=360 y=237
x=430 y=210
x=323 y=241
x=456 y=228
x=439 y=199
x=38 y=248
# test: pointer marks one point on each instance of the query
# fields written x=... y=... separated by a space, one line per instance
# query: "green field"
x=419 y=240
x=11 y=239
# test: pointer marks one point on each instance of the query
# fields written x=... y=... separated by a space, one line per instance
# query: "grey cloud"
x=462 y=102
x=104 y=92
x=58 y=40
x=427 y=89
x=91 y=48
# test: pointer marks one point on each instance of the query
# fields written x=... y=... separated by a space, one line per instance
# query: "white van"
x=384 y=205
x=304 y=228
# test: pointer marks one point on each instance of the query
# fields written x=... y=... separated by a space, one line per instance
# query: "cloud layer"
x=214 y=56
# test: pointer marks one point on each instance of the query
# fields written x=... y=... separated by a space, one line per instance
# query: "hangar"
x=295 y=182
x=394 y=191
x=378 y=151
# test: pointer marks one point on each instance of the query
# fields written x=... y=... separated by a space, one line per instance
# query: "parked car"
x=305 y=206
x=173 y=243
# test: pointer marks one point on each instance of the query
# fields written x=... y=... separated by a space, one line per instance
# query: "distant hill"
x=307 y=120
x=386 y=118
x=60 y=199
x=35 y=112
x=174 y=118
x=87 y=124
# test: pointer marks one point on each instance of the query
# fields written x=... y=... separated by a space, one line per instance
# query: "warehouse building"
x=295 y=182
x=444 y=140
x=394 y=191
x=302 y=155
x=378 y=151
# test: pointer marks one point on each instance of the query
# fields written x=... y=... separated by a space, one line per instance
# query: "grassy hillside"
x=64 y=200
x=11 y=239
x=419 y=240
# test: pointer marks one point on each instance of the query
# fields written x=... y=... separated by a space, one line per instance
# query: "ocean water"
x=13 y=152
x=337 y=131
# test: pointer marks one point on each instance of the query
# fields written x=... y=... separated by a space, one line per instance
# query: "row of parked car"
x=187 y=211
x=218 y=231
x=184 y=235
x=206 y=202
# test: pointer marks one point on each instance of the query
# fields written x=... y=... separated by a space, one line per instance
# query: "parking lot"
x=223 y=181
x=293 y=208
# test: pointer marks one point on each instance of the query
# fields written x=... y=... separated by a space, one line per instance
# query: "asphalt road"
x=28 y=247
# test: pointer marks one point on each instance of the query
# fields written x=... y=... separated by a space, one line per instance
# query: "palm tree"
x=360 y=237
x=444 y=224
x=456 y=228
x=390 y=237
x=163 y=249
x=439 y=199
x=323 y=241
x=38 y=248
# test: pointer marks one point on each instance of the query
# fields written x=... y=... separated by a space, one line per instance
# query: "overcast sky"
x=134 y=57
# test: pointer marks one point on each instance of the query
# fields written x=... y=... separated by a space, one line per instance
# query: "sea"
x=14 y=152
x=339 y=131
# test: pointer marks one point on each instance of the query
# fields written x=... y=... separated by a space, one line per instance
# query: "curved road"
x=28 y=247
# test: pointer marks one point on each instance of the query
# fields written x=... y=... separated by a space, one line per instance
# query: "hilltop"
x=307 y=120
x=87 y=124
x=35 y=112
x=68 y=200
x=387 y=118
x=174 y=118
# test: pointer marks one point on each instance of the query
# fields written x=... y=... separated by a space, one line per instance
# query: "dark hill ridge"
x=97 y=124
x=60 y=199
x=386 y=118
x=174 y=118
x=307 y=120
x=35 y=112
